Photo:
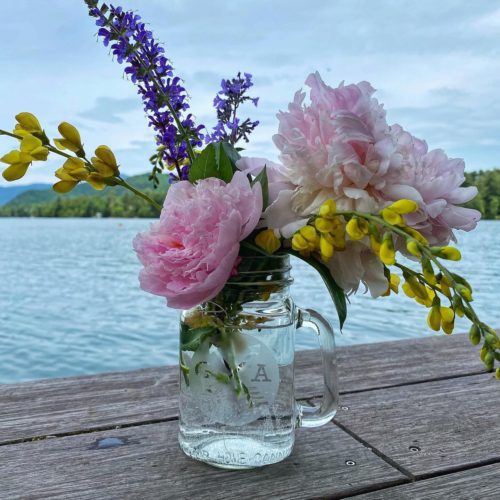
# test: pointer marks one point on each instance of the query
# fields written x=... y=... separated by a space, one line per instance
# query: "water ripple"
x=70 y=302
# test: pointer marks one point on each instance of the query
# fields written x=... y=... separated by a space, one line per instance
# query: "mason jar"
x=237 y=397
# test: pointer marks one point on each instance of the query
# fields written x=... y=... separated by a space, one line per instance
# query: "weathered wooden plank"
x=384 y=364
x=67 y=405
x=429 y=428
x=483 y=483
x=151 y=465
x=58 y=406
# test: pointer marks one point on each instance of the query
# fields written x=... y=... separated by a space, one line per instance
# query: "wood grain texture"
x=151 y=465
x=79 y=404
x=482 y=483
x=429 y=428
x=67 y=405
x=384 y=364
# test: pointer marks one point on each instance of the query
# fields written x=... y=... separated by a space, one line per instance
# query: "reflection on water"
x=70 y=302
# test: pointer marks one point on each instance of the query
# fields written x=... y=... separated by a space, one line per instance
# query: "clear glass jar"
x=237 y=402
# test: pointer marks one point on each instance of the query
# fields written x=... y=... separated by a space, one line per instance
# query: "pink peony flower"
x=432 y=180
x=340 y=146
x=189 y=254
x=334 y=147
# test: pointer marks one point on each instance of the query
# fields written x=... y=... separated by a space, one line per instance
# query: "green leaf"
x=203 y=165
x=211 y=162
x=336 y=293
x=191 y=338
x=262 y=178
x=231 y=153
x=224 y=164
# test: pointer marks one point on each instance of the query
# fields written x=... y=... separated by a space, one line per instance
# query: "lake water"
x=70 y=302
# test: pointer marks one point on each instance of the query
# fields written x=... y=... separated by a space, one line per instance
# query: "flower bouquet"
x=363 y=202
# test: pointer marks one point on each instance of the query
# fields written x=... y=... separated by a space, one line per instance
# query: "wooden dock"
x=419 y=419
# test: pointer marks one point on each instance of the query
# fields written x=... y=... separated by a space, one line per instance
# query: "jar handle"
x=315 y=416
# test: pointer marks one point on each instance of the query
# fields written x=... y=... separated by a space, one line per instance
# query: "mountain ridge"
x=8 y=193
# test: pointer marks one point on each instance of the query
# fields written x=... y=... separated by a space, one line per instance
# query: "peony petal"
x=279 y=215
x=462 y=218
x=462 y=194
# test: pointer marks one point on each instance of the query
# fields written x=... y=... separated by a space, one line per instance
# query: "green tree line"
x=110 y=205
x=487 y=200
x=120 y=203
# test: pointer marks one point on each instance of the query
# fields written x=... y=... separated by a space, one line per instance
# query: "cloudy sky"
x=435 y=65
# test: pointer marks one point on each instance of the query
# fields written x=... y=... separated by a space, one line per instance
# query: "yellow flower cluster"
x=75 y=170
x=99 y=172
x=31 y=148
x=324 y=234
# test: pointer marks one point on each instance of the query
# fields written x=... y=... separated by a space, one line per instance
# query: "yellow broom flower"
x=404 y=206
x=324 y=225
x=70 y=138
x=392 y=285
x=434 y=318
x=305 y=240
x=328 y=209
x=326 y=248
x=387 y=253
x=415 y=234
x=447 y=319
x=428 y=271
x=392 y=217
x=27 y=124
x=412 y=247
x=448 y=253
x=268 y=241
x=464 y=292
x=31 y=149
x=104 y=162
x=71 y=173
x=357 y=228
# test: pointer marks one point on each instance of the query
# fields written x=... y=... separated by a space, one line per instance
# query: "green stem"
x=122 y=182
x=48 y=146
x=4 y=132
x=55 y=150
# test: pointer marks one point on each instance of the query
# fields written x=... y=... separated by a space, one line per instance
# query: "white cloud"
x=436 y=66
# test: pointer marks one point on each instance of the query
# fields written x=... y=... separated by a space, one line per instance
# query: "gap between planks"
x=308 y=400
x=421 y=480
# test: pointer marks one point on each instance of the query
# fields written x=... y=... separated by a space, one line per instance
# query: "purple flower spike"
x=163 y=95
x=226 y=102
